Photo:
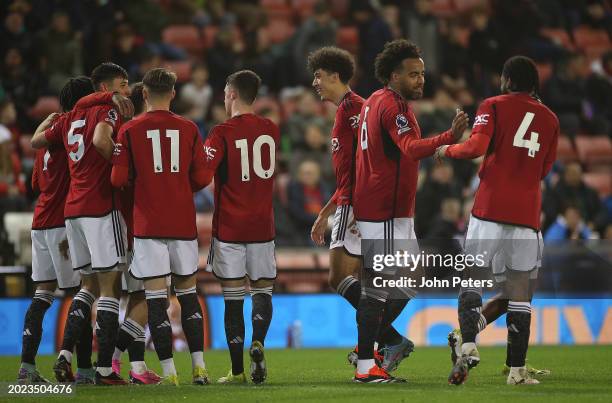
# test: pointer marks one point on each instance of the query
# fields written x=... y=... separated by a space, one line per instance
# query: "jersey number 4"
x=532 y=144
x=173 y=135
x=243 y=146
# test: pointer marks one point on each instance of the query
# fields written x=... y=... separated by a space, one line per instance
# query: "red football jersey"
x=52 y=177
x=523 y=146
x=388 y=154
x=91 y=193
x=242 y=152
x=162 y=149
x=344 y=142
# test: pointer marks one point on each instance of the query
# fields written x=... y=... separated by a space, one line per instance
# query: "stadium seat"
x=209 y=34
x=600 y=181
x=565 y=151
x=443 y=8
x=585 y=37
x=545 y=71
x=305 y=8
x=43 y=107
x=348 y=38
x=280 y=30
x=182 y=69
x=594 y=150
x=559 y=36
x=15 y=224
x=184 y=36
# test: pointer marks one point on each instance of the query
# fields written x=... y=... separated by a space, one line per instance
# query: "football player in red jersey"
x=164 y=151
x=241 y=152
x=388 y=153
x=94 y=226
x=332 y=69
x=51 y=266
x=517 y=135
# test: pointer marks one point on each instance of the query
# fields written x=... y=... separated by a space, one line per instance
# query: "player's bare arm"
x=103 y=140
x=317 y=233
x=124 y=105
x=38 y=139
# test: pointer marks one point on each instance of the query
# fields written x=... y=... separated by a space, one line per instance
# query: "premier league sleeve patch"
x=112 y=117
x=401 y=122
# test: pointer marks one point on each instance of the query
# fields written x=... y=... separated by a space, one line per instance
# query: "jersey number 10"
x=243 y=146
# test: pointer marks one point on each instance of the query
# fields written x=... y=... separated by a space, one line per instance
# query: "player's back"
x=244 y=179
x=53 y=181
x=162 y=147
x=523 y=141
x=90 y=192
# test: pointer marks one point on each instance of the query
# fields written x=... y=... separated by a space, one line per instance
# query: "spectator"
x=307 y=114
x=314 y=149
x=197 y=93
x=126 y=52
x=599 y=91
x=446 y=224
x=565 y=93
x=23 y=85
x=307 y=195
x=571 y=190
x=373 y=34
x=439 y=185
x=12 y=187
x=61 y=49
x=225 y=57
x=391 y=14
x=316 y=32
x=568 y=226
x=15 y=35
x=421 y=26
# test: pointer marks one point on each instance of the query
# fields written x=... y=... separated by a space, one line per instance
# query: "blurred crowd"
x=464 y=44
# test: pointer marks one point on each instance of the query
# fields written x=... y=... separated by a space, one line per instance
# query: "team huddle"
x=117 y=170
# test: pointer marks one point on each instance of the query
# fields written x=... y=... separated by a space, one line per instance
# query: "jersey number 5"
x=243 y=146
x=173 y=135
x=532 y=144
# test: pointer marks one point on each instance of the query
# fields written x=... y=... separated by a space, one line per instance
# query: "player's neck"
x=339 y=94
x=241 y=109
x=161 y=106
x=392 y=88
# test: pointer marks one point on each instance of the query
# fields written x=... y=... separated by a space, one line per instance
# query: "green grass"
x=581 y=374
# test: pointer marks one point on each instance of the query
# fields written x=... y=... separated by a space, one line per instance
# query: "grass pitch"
x=581 y=374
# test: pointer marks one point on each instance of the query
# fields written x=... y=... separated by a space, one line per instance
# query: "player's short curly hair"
x=390 y=59
x=246 y=83
x=522 y=73
x=333 y=60
x=75 y=89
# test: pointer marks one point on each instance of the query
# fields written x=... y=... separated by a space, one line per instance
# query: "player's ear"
x=173 y=93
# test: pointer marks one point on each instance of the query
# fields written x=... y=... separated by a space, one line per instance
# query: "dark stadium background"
x=464 y=44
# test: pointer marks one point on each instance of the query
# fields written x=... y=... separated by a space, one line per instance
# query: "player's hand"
x=63 y=249
x=460 y=123
x=317 y=233
x=440 y=154
x=124 y=105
